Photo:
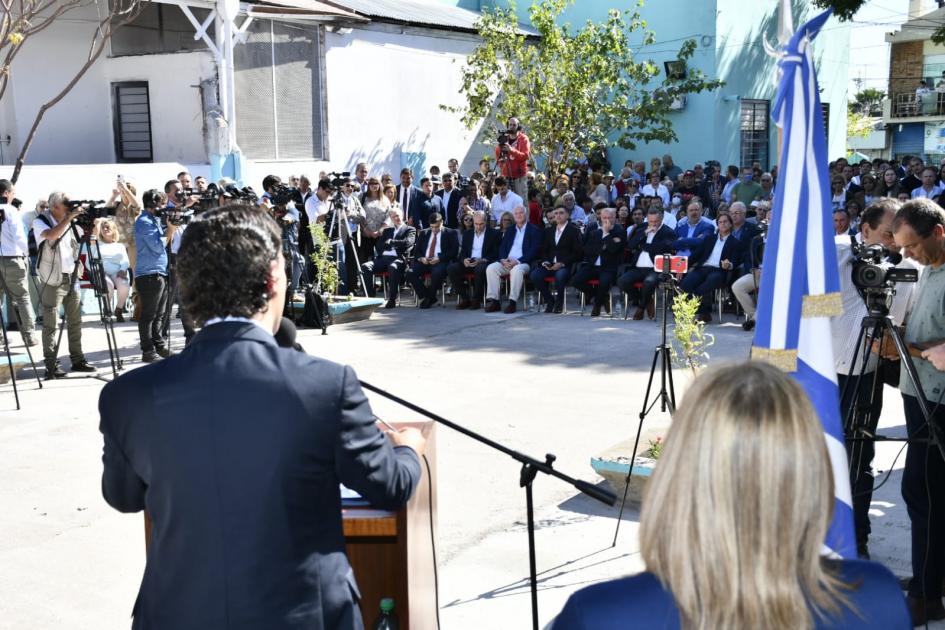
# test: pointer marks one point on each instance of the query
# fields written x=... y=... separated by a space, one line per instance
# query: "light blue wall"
x=728 y=34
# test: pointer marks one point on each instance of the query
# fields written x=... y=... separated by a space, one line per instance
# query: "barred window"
x=280 y=92
x=754 y=133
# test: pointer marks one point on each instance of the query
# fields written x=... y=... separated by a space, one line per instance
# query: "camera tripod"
x=665 y=396
x=340 y=213
x=100 y=288
x=6 y=344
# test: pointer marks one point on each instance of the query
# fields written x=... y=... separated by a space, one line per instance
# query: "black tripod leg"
x=527 y=476
x=6 y=346
x=668 y=368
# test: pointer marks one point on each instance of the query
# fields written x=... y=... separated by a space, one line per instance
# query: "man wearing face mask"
x=512 y=156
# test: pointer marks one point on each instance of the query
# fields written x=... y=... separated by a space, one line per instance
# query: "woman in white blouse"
x=115 y=264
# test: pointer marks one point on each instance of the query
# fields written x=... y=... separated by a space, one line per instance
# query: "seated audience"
x=521 y=245
x=437 y=247
x=390 y=254
x=691 y=232
x=710 y=263
x=717 y=550
x=603 y=253
x=644 y=245
x=561 y=247
x=478 y=250
x=115 y=264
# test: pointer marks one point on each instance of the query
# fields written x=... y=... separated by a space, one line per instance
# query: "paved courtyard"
x=539 y=383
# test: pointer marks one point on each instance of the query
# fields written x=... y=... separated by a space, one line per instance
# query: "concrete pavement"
x=539 y=383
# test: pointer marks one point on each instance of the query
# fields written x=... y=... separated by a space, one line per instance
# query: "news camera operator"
x=58 y=280
x=919 y=229
x=295 y=427
x=14 y=264
x=860 y=384
x=512 y=153
x=152 y=239
x=283 y=203
x=179 y=201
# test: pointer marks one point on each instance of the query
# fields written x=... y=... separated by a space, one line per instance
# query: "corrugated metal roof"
x=304 y=7
x=421 y=13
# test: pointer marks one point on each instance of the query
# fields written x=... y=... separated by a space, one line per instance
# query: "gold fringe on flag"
x=785 y=360
x=826 y=305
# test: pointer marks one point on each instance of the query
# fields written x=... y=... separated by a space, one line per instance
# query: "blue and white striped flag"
x=800 y=283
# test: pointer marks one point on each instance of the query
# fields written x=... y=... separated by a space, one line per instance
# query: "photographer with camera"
x=283 y=204
x=179 y=202
x=14 y=264
x=859 y=384
x=57 y=269
x=511 y=154
x=152 y=275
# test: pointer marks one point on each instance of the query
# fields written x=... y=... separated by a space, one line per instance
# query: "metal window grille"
x=131 y=113
x=754 y=132
x=279 y=92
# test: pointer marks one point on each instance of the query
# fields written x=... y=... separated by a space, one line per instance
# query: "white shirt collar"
x=230 y=318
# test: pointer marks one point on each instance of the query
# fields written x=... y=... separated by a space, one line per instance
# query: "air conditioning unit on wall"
x=678 y=104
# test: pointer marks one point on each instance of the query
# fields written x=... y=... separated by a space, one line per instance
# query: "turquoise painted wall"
x=728 y=34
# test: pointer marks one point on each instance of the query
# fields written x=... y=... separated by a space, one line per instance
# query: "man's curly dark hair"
x=223 y=264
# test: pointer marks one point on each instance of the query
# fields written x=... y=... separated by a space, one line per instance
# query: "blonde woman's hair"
x=735 y=515
x=113 y=226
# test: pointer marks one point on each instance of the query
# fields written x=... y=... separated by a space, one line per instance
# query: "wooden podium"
x=391 y=552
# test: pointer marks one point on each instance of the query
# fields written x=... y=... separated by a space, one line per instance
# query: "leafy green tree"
x=846 y=9
x=868 y=101
x=576 y=90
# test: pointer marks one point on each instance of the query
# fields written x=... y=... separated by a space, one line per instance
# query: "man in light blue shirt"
x=151 y=241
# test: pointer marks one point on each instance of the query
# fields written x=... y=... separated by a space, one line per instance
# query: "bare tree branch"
x=100 y=37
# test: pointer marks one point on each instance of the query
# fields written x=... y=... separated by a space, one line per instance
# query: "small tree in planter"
x=340 y=309
x=692 y=340
x=326 y=270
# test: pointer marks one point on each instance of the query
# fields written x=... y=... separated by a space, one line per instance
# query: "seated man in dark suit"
x=480 y=248
x=436 y=248
x=644 y=246
x=236 y=447
x=710 y=264
x=603 y=253
x=390 y=254
x=561 y=247
x=744 y=232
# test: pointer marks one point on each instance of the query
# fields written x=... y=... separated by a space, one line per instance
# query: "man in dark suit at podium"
x=236 y=447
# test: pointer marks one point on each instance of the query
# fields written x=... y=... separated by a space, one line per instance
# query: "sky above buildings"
x=869 y=52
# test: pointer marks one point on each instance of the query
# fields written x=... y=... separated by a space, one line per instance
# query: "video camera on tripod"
x=873 y=268
x=174 y=215
x=92 y=211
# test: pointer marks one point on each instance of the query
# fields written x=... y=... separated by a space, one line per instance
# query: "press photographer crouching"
x=867 y=289
x=253 y=440
x=151 y=275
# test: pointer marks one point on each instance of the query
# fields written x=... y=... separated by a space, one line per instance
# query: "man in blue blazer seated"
x=709 y=265
x=518 y=251
x=236 y=448
x=437 y=247
x=644 y=245
x=689 y=233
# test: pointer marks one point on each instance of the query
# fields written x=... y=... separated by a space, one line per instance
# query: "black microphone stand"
x=530 y=468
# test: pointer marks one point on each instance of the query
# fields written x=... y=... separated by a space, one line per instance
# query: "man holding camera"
x=512 y=153
x=238 y=460
x=151 y=276
x=58 y=278
x=14 y=263
x=860 y=385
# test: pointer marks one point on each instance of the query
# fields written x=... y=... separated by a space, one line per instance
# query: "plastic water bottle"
x=387 y=620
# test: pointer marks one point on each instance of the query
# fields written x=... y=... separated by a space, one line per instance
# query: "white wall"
x=79 y=128
x=384 y=89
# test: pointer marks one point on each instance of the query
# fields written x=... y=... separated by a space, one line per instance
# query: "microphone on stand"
x=285 y=336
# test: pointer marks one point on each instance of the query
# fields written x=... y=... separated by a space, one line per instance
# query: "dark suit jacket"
x=426 y=207
x=568 y=250
x=490 y=245
x=450 y=209
x=402 y=244
x=413 y=206
x=640 y=601
x=449 y=244
x=531 y=243
x=236 y=447
x=731 y=251
x=662 y=242
x=610 y=249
